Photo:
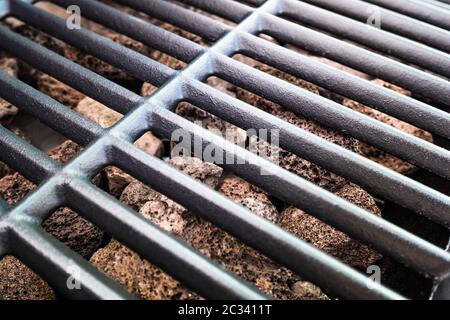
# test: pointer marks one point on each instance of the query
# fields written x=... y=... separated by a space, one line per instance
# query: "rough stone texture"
x=7 y=110
x=18 y=282
x=285 y=159
x=148 y=282
x=139 y=276
x=59 y=91
x=378 y=155
x=246 y=262
x=250 y=196
x=105 y=117
x=329 y=239
x=64 y=224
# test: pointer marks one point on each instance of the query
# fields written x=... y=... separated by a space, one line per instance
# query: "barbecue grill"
x=410 y=50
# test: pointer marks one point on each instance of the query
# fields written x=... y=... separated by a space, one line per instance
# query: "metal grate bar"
x=361 y=177
x=425 y=84
x=141 y=235
x=372 y=37
x=70 y=185
x=418 y=10
x=54 y=258
x=98 y=207
x=398 y=105
x=105 y=91
x=49 y=111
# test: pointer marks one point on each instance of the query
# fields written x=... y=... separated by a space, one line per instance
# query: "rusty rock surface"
x=8 y=111
x=327 y=238
x=64 y=224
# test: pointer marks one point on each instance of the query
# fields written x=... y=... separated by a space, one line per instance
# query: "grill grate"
x=21 y=235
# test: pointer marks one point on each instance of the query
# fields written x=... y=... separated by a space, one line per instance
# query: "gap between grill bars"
x=71 y=184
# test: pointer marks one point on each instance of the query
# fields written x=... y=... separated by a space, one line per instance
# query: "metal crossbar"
x=70 y=185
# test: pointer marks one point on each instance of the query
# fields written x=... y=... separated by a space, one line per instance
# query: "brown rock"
x=59 y=91
x=205 y=172
x=65 y=225
x=139 y=276
x=378 y=155
x=250 y=196
x=105 y=117
x=7 y=110
x=329 y=239
x=18 y=282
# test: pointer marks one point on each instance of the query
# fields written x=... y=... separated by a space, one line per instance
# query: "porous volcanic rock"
x=328 y=238
x=7 y=110
x=18 y=282
x=120 y=263
x=105 y=117
x=59 y=90
x=64 y=224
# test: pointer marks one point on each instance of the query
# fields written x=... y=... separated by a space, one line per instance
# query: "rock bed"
x=128 y=268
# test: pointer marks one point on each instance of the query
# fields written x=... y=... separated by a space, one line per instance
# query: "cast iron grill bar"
x=30 y=241
x=125 y=225
x=115 y=144
x=400 y=106
x=427 y=85
x=418 y=10
x=82 y=79
x=95 y=205
x=372 y=37
x=52 y=113
x=406 y=239
x=398 y=145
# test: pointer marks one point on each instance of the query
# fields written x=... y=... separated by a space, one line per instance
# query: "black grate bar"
x=49 y=111
x=316 y=201
x=30 y=241
x=90 y=42
x=71 y=186
x=353 y=56
x=121 y=223
x=399 y=144
x=134 y=231
x=316 y=137
x=105 y=91
x=418 y=10
x=400 y=106
x=372 y=37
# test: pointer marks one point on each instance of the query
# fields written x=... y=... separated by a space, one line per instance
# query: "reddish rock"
x=18 y=282
x=328 y=238
x=64 y=224
x=59 y=90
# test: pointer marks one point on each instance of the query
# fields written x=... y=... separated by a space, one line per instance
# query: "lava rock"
x=378 y=155
x=64 y=224
x=105 y=117
x=139 y=276
x=18 y=282
x=7 y=110
x=59 y=91
x=327 y=238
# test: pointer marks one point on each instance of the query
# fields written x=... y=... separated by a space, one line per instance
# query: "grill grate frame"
x=70 y=185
